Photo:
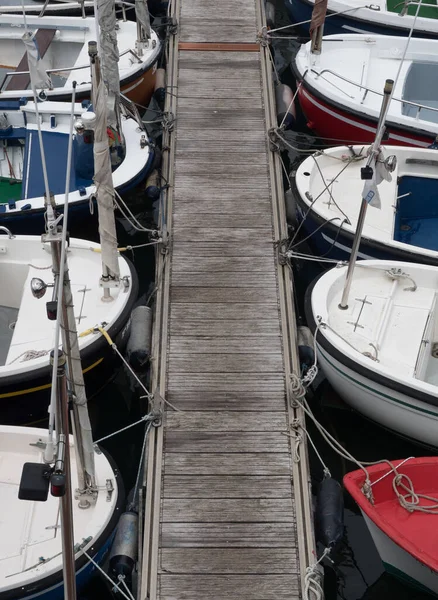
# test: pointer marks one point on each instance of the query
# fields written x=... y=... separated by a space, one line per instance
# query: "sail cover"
x=38 y=76
x=109 y=54
x=142 y=16
x=104 y=186
x=318 y=15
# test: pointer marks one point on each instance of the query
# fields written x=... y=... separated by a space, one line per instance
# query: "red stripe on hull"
x=342 y=127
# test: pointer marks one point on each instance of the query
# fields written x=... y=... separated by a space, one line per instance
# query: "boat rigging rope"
x=115 y=588
x=341 y=12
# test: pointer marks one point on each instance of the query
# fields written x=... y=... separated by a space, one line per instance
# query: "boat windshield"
x=421 y=87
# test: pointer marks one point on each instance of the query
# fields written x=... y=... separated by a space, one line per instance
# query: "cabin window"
x=421 y=87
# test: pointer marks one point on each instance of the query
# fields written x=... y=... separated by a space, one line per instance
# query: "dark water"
x=357 y=573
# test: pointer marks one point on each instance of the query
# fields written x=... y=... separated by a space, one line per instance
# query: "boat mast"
x=105 y=95
x=366 y=173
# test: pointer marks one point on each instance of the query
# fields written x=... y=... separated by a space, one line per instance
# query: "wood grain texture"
x=261 y=400
x=217 y=249
x=220 y=327
x=224 y=234
x=217 y=442
x=231 y=560
x=222 y=310
x=276 y=534
x=217 y=264
x=227 y=382
x=227 y=510
x=260 y=219
x=225 y=363
x=231 y=587
x=226 y=486
x=246 y=463
x=230 y=294
x=195 y=344
x=224 y=421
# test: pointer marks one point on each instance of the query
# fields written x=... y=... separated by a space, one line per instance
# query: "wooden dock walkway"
x=227 y=507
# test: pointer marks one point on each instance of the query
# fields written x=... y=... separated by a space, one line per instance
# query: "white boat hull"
x=387 y=407
x=400 y=563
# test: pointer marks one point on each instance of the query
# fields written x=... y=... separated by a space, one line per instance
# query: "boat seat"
x=43 y=38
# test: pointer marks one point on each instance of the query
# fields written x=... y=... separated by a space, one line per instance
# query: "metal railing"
x=416 y=105
x=64 y=69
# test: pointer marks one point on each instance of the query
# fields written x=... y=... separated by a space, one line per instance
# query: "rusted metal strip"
x=219 y=46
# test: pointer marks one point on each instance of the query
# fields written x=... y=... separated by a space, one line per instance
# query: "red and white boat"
x=341 y=89
x=405 y=540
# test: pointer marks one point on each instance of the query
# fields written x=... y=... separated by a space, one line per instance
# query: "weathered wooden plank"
x=206 y=294
x=218 y=442
x=213 y=264
x=226 y=486
x=221 y=327
x=255 y=211
x=217 y=197
x=222 y=310
x=217 y=11
x=227 y=510
x=199 y=168
x=227 y=464
x=252 y=219
x=223 y=234
x=224 y=157
x=224 y=421
x=263 y=400
x=215 y=249
x=207 y=146
x=204 y=30
x=231 y=587
x=226 y=382
x=220 y=135
x=228 y=535
x=234 y=279
x=217 y=91
x=205 y=181
x=225 y=363
x=215 y=560
x=203 y=344
x=239 y=59
x=229 y=72
x=189 y=104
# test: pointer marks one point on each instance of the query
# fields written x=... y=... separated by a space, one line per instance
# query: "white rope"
x=309 y=20
x=121 y=579
x=290 y=104
x=312 y=579
x=148 y=417
x=131 y=218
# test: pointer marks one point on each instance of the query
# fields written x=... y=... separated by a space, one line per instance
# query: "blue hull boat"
x=22 y=188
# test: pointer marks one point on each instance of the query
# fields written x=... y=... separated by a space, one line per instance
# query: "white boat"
x=385 y=17
x=327 y=188
x=26 y=334
x=21 y=178
x=341 y=89
x=381 y=353
x=63 y=48
x=30 y=539
x=405 y=540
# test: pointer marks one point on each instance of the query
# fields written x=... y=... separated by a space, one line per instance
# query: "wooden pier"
x=227 y=487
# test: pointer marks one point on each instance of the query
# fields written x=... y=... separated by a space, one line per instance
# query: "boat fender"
x=153 y=188
x=305 y=347
x=291 y=208
x=124 y=550
x=270 y=15
x=434 y=144
x=329 y=513
x=285 y=106
x=138 y=348
x=160 y=87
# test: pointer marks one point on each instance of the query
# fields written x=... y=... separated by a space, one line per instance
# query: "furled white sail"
x=142 y=16
x=109 y=55
x=38 y=76
x=104 y=185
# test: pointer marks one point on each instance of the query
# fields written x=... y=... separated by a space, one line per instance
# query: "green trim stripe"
x=406 y=578
x=370 y=389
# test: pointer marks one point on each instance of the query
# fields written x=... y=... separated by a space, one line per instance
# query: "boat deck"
x=227 y=507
